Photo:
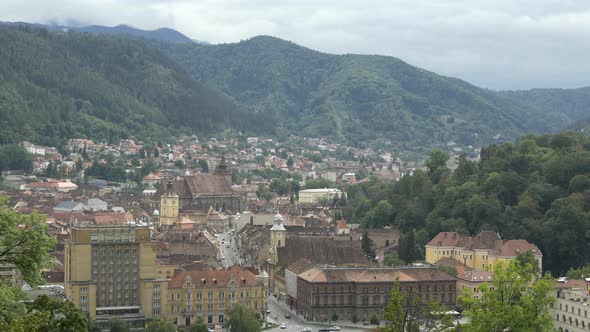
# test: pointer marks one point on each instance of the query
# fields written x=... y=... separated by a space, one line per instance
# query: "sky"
x=496 y=44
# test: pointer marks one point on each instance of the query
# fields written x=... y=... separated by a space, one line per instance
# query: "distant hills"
x=162 y=34
x=359 y=97
x=57 y=85
x=59 y=82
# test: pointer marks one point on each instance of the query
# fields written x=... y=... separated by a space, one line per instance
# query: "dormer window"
x=215 y=281
x=204 y=281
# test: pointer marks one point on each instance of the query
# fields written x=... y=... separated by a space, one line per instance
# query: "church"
x=199 y=192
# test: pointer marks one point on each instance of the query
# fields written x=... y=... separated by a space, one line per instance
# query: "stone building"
x=110 y=271
x=211 y=294
x=360 y=293
x=571 y=310
x=480 y=252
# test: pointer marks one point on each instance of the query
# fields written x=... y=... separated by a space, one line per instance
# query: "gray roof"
x=67 y=205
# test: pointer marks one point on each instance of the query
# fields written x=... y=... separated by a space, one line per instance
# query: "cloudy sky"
x=498 y=44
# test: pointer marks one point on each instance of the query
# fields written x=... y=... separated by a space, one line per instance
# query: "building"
x=211 y=294
x=69 y=206
x=110 y=271
x=202 y=191
x=472 y=280
x=571 y=310
x=480 y=252
x=318 y=195
x=360 y=293
x=52 y=186
x=219 y=221
x=169 y=208
x=96 y=204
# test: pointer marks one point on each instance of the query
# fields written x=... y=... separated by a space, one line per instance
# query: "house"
x=52 y=186
x=95 y=204
x=481 y=252
x=571 y=310
x=69 y=206
x=342 y=227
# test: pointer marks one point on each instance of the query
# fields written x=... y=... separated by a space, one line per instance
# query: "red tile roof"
x=222 y=277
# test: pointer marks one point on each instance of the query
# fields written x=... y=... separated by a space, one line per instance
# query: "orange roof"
x=109 y=218
x=219 y=278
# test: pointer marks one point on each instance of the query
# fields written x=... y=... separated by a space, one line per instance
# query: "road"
x=227 y=246
x=295 y=323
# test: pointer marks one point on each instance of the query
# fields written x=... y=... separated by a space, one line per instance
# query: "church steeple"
x=223 y=168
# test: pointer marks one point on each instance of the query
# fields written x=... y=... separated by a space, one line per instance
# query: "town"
x=187 y=231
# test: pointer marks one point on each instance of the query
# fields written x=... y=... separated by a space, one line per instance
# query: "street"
x=295 y=323
x=227 y=246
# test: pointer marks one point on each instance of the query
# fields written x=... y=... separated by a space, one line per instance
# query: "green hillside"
x=56 y=85
x=574 y=103
x=358 y=97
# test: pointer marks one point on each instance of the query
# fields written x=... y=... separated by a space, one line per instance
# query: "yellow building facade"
x=481 y=252
x=169 y=208
x=212 y=294
x=110 y=270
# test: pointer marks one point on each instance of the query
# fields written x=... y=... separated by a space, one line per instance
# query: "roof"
x=198 y=184
x=485 y=240
x=112 y=218
x=367 y=275
x=222 y=277
x=322 y=251
x=321 y=191
x=476 y=276
x=68 y=205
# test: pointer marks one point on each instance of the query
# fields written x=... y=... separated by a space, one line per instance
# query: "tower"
x=169 y=206
x=278 y=232
x=222 y=168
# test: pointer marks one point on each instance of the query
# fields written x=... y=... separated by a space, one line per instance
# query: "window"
x=210 y=295
x=210 y=319
x=221 y=306
x=199 y=296
x=156 y=296
x=221 y=295
x=156 y=304
x=220 y=318
x=210 y=307
x=83 y=290
x=83 y=298
x=156 y=287
x=199 y=307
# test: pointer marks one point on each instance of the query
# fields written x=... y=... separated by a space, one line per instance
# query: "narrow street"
x=227 y=247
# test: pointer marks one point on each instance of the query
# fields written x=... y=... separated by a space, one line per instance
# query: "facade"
x=472 y=280
x=317 y=195
x=211 y=294
x=169 y=207
x=571 y=310
x=481 y=252
x=360 y=293
x=218 y=221
x=203 y=191
x=110 y=270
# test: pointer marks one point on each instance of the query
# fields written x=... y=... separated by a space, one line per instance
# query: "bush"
x=375 y=320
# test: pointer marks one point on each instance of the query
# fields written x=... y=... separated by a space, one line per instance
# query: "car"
x=268 y=311
x=306 y=329
x=284 y=326
x=334 y=328
x=227 y=245
x=324 y=330
x=288 y=316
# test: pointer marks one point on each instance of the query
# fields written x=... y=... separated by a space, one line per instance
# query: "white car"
x=334 y=328
x=283 y=326
x=307 y=329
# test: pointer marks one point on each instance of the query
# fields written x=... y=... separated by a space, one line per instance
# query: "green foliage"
x=160 y=325
x=409 y=250
x=59 y=85
x=533 y=189
x=15 y=157
x=393 y=260
x=198 y=326
x=374 y=320
x=44 y=314
x=512 y=304
x=24 y=242
x=450 y=270
x=368 y=246
x=357 y=97
x=118 y=325
x=319 y=183
x=528 y=259
x=243 y=319
x=579 y=273
x=204 y=165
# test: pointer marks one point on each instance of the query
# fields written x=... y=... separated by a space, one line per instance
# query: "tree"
x=24 y=242
x=436 y=160
x=243 y=319
x=528 y=258
x=179 y=164
x=409 y=251
x=398 y=319
x=198 y=326
x=514 y=302
x=118 y=325
x=160 y=325
x=579 y=273
x=290 y=162
x=63 y=315
x=393 y=260
x=368 y=246
x=204 y=165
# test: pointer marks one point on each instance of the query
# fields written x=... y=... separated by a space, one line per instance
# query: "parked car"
x=283 y=326
x=306 y=329
x=288 y=316
x=334 y=328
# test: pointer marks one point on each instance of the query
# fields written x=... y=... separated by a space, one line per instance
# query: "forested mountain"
x=574 y=103
x=358 y=97
x=537 y=188
x=162 y=34
x=57 y=85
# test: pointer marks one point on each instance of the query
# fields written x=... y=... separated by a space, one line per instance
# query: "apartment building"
x=211 y=294
x=571 y=310
x=110 y=270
